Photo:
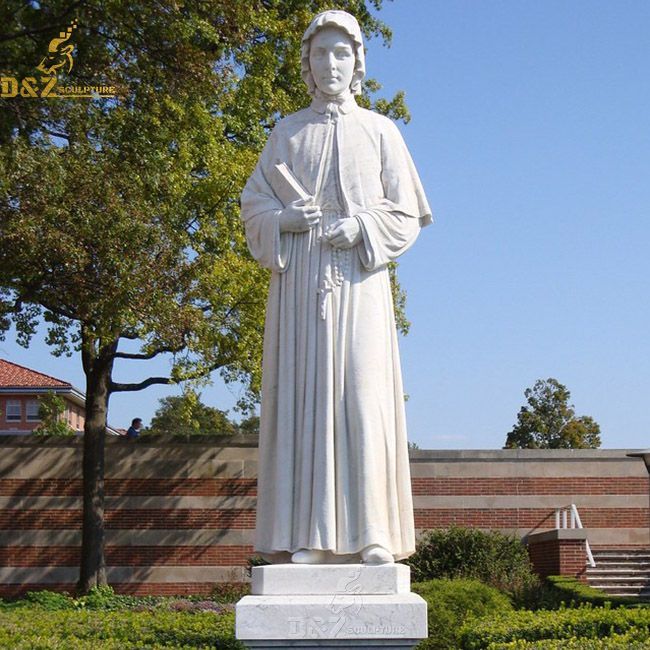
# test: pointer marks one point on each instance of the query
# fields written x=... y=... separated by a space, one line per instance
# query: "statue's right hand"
x=299 y=216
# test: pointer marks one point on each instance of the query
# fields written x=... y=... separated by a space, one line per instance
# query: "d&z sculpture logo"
x=58 y=59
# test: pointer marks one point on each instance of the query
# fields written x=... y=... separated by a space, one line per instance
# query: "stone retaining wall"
x=180 y=516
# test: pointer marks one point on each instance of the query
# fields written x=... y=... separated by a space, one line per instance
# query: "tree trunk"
x=98 y=366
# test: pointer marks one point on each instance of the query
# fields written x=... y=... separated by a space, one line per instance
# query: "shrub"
x=451 y=602
x=230 y=592
x=102 y=597
x=566 y=624
x=188 y=605
x=254 y=561
x=105 y=598
x=491 y=557
x=50 y=600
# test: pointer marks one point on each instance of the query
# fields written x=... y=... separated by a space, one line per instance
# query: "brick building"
x=20 y=389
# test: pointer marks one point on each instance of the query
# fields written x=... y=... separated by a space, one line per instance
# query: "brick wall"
x=559 y=552
x=181 y=516
x=73 y=414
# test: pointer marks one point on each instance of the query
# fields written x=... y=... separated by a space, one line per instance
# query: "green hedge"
x=566 y=624
x=557 y=592
x=630 y=641
x=569 y=590
x=452 y=602
x=23 y=628
x=462 y=613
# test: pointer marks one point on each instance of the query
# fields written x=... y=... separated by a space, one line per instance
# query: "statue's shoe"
x=376 y=554
x=306 y=556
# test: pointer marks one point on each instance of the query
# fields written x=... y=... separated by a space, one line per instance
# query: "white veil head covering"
x=346 y=22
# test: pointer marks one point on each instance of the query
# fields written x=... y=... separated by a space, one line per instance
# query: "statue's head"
x=332 y=59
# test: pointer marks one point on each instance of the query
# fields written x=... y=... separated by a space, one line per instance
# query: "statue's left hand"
x=344 y=233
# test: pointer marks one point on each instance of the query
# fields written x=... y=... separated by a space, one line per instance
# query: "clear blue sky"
x=531 y=131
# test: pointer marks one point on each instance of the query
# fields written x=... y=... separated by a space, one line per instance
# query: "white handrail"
x=561 y=521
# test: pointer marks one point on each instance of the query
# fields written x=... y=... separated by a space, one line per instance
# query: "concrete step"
x=622 y=558
x=636 y=550
x=603 y=571
x=623 y=563
x=610 y=562
x=632 y=584
x=624 y=591
x=615 y=586
x=594 y=574
x=645 y=598
x=631 y=555
x=611 y=568
x=621 y=572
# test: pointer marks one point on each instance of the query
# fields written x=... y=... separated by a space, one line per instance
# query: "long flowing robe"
x=333 y=457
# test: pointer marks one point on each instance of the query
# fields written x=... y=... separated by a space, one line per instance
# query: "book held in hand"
x=286 y=186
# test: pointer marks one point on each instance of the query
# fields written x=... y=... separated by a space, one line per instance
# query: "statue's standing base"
x=331 y=606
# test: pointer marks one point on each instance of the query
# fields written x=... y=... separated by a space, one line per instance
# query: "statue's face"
x=331 y=60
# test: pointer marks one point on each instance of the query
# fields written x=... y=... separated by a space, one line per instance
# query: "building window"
x=13 y=413
x=31 y=411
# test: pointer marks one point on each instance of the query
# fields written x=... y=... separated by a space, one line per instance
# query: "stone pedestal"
x=331 y=606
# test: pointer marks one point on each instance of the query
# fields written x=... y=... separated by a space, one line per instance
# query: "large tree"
x=119 y=221
x=550 y=422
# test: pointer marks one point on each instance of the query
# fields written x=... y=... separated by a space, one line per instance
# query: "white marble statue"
x=334 y=482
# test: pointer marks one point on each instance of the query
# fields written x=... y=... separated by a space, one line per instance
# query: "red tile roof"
x=14 y=376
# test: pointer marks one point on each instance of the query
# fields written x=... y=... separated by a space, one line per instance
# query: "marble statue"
x=334 y=482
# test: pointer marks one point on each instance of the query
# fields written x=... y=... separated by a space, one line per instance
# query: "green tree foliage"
x=549 y=421
x=119 y=217
x=250 y=425
x=50 y=410
x=186 y=415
